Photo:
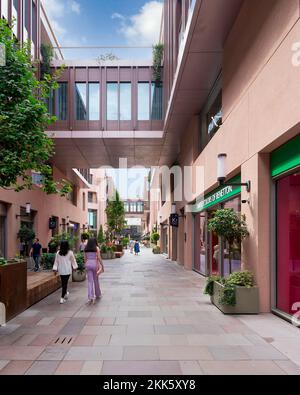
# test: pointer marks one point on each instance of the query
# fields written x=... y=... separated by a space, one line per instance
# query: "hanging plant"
x=158 y=52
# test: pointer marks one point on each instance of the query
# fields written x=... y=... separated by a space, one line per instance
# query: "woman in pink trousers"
x=93 y=265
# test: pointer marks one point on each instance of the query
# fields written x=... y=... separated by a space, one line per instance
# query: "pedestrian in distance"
x=131 y=246
x=94 y=267
x=137 y=248
x=35 y=253
x=65 y=262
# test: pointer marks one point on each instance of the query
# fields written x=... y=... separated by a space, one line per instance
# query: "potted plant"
x=231 y=226
x=236 y=294
x=48 y=261
x=104 y=254
x=155 y=238
x=101 y=236
x=156 y=250
x=125 y=242
x=26 y=235
x=79 y=275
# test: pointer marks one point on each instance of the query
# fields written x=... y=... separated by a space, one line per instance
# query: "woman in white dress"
x=64 y=263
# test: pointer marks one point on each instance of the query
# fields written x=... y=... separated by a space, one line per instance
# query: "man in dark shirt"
x=35 y=252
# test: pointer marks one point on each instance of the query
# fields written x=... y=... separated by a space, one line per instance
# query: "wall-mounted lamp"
x=28 y=211
x=222 y=174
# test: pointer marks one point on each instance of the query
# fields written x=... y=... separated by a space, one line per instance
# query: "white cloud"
x=75 y=7
x=57 y=10
x=144 y=27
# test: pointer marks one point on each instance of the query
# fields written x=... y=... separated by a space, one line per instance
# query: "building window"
x=288 y=246
x=156 y=102
x=92 y=197
x=26 y=19
x=125 y=101
x=133 y=207
x=140 y=207
x=15 y=15
x=4 y=9
x=37 y=178
x=80 y=101
x=94 y=101
x=34 y=24
x=92 y=219
x=143 y=101
x=83 y=201
x=61 y=106
x=112 y=101
x=126 y=207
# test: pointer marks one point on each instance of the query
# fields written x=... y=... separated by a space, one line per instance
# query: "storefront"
x=285 y=171
x=211 y=252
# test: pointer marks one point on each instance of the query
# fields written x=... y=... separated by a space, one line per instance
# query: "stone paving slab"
x=152 y=319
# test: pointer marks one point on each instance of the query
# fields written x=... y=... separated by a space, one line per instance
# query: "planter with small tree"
x=155 y=237
x=236 y=294
x=79 y=274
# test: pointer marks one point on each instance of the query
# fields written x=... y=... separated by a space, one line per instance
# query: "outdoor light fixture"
x=28 y=211
x=222 y=174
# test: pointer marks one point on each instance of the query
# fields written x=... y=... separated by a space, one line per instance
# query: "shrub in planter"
x=48 y=261
x=235 y=295
x=3 y=261
x=79 y=274
x=104 y=253
x=156 y=250
x=155 y=237
x=125 y=242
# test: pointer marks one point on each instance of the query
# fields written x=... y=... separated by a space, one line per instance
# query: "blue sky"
x=105 y=22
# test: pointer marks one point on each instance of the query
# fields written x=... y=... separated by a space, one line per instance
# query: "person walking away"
x=131 y=246
x=93 y=264
x=65 y=262
x=35 y=253
x=137 y=248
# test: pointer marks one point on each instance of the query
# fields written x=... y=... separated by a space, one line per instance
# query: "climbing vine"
x=158 y=52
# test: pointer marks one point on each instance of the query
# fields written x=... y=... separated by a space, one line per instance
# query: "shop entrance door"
x=213 y=250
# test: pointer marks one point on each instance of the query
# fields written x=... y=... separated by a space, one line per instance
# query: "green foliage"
x=115 y=212
x=85 y=235
x=3 y=261
x=26 y=234
x=209 y=288
x=156 y=250
x=155 y=237
x=47 y=55
x=24 y=118
x=80 y=262
x=103 y=249
x=57 y=239
x=158 y=52
x=125 y=242
x=241 y=279
x=48 y=261
x=229 y=224
x=236 y=279
x=113 y=248
x=101 y=236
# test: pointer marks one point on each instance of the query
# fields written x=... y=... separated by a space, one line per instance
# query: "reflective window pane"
x=125 y=101
x=112 y=101
x=80 y=101
x=143 y=101
x=156 y=102
x=288 y=246
x=94 y=101
x=61 y=95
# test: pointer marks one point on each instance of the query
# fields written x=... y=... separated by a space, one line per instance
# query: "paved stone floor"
x=152 y=319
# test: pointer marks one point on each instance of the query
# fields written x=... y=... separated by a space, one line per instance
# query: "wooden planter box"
x=13 y=288
x=247 y=300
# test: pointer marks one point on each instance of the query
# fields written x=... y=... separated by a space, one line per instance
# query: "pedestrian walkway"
x=153 y=319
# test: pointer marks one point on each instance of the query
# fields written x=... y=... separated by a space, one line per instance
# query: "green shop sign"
x=218 y=196
x=286 y=157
